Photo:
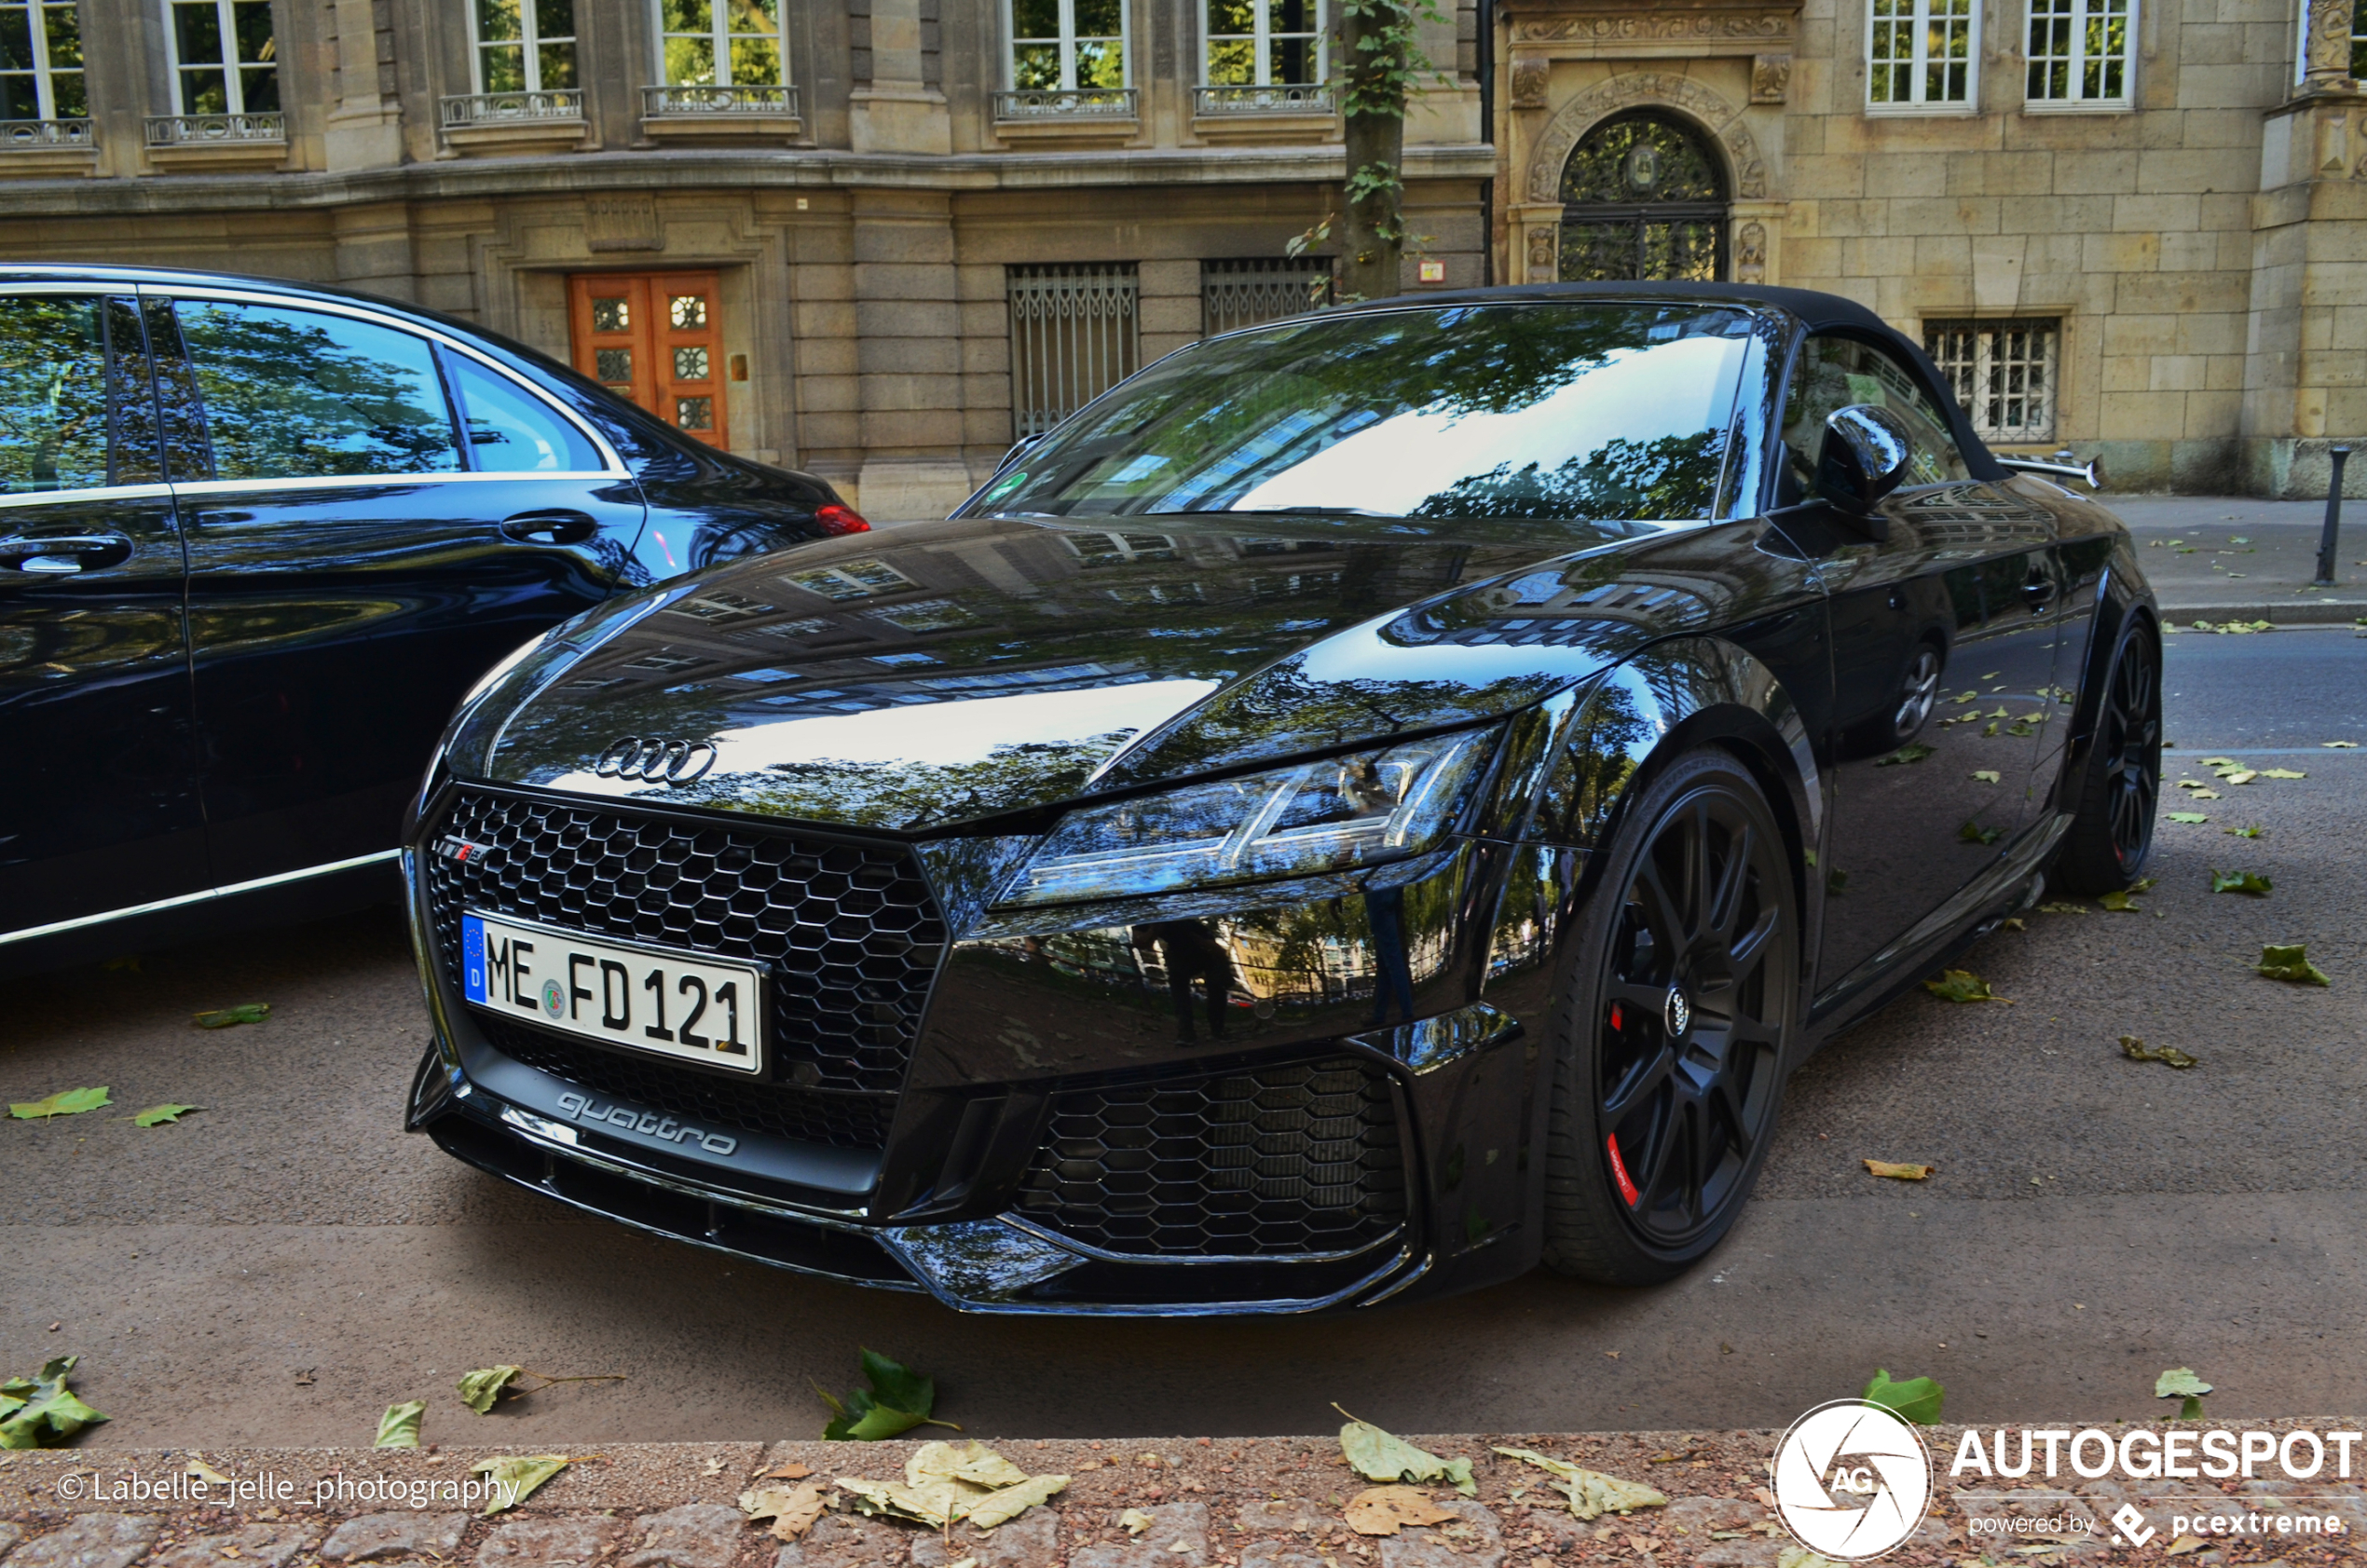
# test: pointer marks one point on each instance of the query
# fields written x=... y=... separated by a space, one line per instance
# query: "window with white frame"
x=524 y=45
x=224 y=59
x=721 y=43
x=1921 y=55
x=1263 y=42
x=41 y=61
x=2001 y=372
x=1064 y=44
x=2081 y=53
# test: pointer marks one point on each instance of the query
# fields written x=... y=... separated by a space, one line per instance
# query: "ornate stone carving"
x=1771 y=77
x=623 y=222
x=1652 y=29
x=2328 y=48
x=1639 y=88
x=1544 y=254
x=1750 y=252
x=1529 y=72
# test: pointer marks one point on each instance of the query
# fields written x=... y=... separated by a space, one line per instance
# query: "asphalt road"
x=284 y=1263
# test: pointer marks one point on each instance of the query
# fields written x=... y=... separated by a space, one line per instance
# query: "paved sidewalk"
x=1229 y=1502
x=2234 y=558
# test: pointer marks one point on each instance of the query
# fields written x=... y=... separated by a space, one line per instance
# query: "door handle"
x=57 y=555
x=2038 y=592
x=549 y=527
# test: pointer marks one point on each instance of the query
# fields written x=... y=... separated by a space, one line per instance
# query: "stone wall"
x=2203 y=270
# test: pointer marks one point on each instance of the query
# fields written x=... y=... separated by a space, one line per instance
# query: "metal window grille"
x=1919 y=53
x=1074 y=334
x=1243 y=293
x=2079 y=50
x=2003 y=373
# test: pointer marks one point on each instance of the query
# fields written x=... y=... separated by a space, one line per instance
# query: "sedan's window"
x=53 y=393
x=510 y=429
x=1545 y=412
x=1835 y=373
x=300 y=394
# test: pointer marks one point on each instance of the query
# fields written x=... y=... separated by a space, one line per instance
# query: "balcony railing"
x=45 y=135
x=719 y=103
x=187 y=131
x=1071 y=104
x=1306 y=99
x=506 y=108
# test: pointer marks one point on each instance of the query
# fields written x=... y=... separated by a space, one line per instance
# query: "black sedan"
x=1374 y=802
x=256 y=541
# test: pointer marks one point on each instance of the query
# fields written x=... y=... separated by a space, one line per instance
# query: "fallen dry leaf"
x=791 y=1471
x=791 y=1509
x=2136 y=1050
x=1898 y=1172
x=1383 y=1510
x=1135 y=1521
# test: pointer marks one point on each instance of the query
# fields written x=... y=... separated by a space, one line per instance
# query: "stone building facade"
x=882 y=200
x=2132 y=228
x=2135 y=229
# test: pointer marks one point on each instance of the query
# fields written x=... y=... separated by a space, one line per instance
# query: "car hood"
x=943 y=675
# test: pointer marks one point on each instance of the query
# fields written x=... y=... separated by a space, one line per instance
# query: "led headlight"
x=1339 y=814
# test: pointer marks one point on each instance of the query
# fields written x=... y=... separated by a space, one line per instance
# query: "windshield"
x=1545 y=412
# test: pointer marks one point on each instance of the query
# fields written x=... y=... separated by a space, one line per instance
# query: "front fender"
x=1667 y=699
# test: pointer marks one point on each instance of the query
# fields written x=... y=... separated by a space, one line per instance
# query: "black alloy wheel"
x=1675 y=1035
x=1917 y=691
x=2112 y=831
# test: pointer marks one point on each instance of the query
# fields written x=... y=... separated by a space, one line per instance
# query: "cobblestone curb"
x=1211 y=1502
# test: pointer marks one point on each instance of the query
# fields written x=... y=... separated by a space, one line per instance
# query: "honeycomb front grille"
x=1289 y=1160
x=713 y=1103
x=850 y=932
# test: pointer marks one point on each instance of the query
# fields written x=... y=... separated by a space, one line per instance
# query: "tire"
x=2112 y=830
x=1661 y=1113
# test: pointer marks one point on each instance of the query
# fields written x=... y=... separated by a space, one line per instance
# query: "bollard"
x=2325 y=578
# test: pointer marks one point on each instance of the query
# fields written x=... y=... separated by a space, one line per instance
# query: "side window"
x=510 y=429
x=1834 y=373
x=301 y=394
x=73 y=417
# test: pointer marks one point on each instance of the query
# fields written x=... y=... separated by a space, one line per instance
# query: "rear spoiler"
x=2090 y=471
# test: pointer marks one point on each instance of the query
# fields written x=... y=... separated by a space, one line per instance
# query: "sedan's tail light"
x=835 y=520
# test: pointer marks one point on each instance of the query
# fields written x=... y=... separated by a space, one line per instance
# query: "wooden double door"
x=655 y=339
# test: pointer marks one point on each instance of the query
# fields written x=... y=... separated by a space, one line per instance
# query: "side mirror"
x=1863 y=458
x=1019 y=450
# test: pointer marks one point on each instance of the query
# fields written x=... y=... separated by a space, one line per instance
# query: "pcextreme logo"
x=1852 y=1480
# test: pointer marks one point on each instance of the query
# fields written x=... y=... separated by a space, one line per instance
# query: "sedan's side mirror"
x=1863 y=458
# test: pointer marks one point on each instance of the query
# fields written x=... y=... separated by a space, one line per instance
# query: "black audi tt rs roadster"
x=1374 y=802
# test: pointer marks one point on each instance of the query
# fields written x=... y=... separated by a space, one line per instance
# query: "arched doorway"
x=1642 y=197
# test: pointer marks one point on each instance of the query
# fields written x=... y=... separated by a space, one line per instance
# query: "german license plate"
x=644 y=999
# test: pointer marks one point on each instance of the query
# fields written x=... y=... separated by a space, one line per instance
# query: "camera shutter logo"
x=1852 y=1480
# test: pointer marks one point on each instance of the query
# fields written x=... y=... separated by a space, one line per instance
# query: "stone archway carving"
x=1637 y=89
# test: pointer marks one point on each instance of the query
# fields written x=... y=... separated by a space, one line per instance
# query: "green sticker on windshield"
x=1005 y=485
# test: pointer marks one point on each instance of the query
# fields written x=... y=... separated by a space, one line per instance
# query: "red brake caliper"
x=1619 y=1167
x=1618 y=1172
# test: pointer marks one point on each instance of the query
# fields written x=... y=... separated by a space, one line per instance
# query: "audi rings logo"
x=655 y=761
x=1852 y=1480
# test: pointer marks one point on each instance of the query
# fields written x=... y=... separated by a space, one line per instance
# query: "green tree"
x=1380 y=60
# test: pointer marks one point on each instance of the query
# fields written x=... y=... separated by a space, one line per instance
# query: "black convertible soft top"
x=1815 y=312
